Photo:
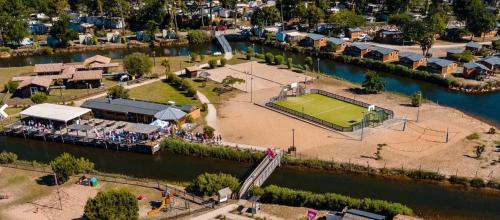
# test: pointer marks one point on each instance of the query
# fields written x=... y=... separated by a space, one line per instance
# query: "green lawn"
x=325 y=108
x=161 y=92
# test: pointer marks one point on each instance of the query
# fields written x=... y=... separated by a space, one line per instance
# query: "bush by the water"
x=328 y=201
x=208 y=184
x=7 y=157
x=112 y=204
x=200 y=150
x=66 y=165
x=198 y=36
x=260 y=56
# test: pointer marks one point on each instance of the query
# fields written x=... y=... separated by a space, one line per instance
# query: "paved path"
x=212 y=214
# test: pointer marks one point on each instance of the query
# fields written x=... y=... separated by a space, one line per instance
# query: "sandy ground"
x=421 y=145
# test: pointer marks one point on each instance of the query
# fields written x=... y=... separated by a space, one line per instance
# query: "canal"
x=429 y=200
x=484 y=106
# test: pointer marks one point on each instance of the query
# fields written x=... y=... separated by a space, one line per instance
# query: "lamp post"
x=293 y=142
x=318 y=64
x=154 y=58
x=251 y=89
x=362 y=126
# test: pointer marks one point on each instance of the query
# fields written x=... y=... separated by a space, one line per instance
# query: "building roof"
x=97 y=58
x=439 y=62
x=103 y=65
x=170 y=114
x=55 y=112
x=476 y=66
x=473 y=45
x=366 y=215
x=455 y=50
x=315 y=36
x=87 y=75
x=411 y=56
x=361 y=46
x=141 y=128
x=356 y=29
x=125 y=106
x=44 y=81
x=493 y=60
x=336 y=41
x=48 y=67
x=382 y=50
x=193 y=68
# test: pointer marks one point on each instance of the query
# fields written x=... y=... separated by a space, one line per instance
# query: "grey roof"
x=382 y=50
x=125 y=106
x=170 y=114
x=141 y=128
x=474 y=45
x=80 y=127
x=336 y=41
x=411 y=56
x=439 y=62
x=367 y=215
x=475 y=65
x=356 y=29
x=455 y=50
x=315 y=36
x=360 y=46
x=494 y=60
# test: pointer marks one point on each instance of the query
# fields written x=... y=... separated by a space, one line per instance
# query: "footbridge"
x=262 y=172
x=223 y=42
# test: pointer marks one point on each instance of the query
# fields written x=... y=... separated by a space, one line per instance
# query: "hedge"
x=328 y=201
x=199 y=150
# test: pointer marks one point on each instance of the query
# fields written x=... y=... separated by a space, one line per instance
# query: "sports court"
x=325 y=108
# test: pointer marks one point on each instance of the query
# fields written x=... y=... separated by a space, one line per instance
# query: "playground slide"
x=164 y=204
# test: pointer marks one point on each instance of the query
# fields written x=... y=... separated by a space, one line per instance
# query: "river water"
x=428 y=200
x=484 y=106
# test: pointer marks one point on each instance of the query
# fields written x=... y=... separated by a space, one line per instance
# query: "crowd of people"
x=199 y=137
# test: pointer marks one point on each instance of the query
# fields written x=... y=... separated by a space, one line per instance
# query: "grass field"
x=161 y=92
x=325 y=108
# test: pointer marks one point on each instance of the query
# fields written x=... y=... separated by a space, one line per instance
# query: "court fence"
x=382 y=113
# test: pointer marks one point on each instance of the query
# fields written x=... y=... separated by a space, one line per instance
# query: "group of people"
x=199 y=137
x=125 y=136
x=31 y=125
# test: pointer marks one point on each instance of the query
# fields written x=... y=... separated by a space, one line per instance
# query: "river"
x=483 y=106
x=429 y=200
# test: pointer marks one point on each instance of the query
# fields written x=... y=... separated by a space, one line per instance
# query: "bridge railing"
x=261 y=173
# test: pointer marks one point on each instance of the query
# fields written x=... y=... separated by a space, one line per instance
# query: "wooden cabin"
x=412 y=60
x=441 y=66
x=383 y=54
x=357 y=50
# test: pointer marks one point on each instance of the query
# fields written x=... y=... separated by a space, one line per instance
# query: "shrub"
x=465 y=56
x=250 y=53
x=5 y=50
x=198 y=36
x=190 y=91
x=138 y=64
x=425 y=175
x=373 y=83
x=112 y=204
x=204 y=107
x=207 y=184
x=477 y=182
x=189 y=119
x=328 y=201
x=117 y=92
x=11 y=86
x=458 y=180
x=212 y=64
x=209 y=131
x=492 y=131
x=192 y=149
x=223 y=61
x=279 y=59
x=309 y=62
x=260 y=56
x=66 y=165
x=269 y=58
x=194 y=56
x=7 y=157
x=39 y=97
x=473 y=136
x=47 y=50
x=416 y=99
x=289 y=63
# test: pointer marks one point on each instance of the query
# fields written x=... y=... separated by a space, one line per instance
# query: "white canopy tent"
x=53 y=112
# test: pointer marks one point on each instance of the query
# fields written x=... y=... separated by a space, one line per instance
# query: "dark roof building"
x=383 y=54
x=412 y=60
x=355 y=214
x=441 y=66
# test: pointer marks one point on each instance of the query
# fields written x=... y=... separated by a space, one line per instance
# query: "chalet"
x=99 y=62
x=412 y=60
x=389 y=36
x=48 y=69
x=85 y=79
x=383 y=54
x=473 y=47
x=354 y=33
x=336 y=44
x=441 y=66
x=454 y=51
x=315 y=40
x=192 y=71
x=357 y=50
x=475 y=71
x=31 y=85
x=492 y=63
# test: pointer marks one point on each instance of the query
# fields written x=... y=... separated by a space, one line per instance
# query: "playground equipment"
x=166 y=204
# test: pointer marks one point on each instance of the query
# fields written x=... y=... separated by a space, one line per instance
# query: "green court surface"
x=325 y=108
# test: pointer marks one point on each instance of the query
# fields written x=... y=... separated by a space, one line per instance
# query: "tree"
x=166 y=63
x=208 y=184
x=60 y=31
x=13 y=29
x=269 y=58
x=230 y=81
x=481 y=22
x=416 y=99
x=112 y=204
x=373 y=83
x=66 y=165
x=223 y=62
x=279 y=59
x=314 y=15
x=118 y=92
x=39 y=98
x=397 y=6
x=300 y=12
x=289 y=63
x=7 y=157
x=346 y=19
x=309 y=62
x=212 y=63
x=138 y=64
x=496 y=44
x=209 y=131
x=151 y=29
x=11 y=86
x=399 y=20
x=250 y=53
x=265 y=16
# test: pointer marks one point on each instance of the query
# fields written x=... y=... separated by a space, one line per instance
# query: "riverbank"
x=448 y=82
